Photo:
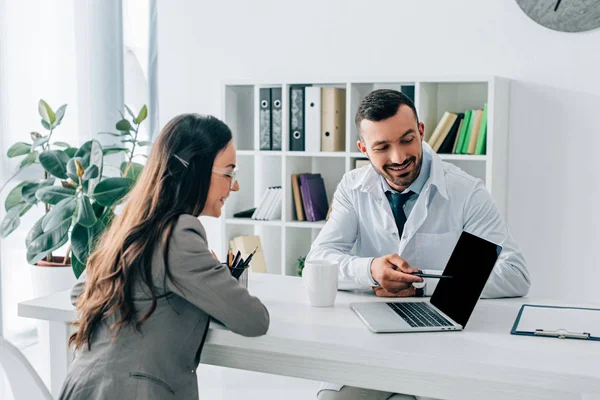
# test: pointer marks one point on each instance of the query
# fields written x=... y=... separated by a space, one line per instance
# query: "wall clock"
x=563 y=15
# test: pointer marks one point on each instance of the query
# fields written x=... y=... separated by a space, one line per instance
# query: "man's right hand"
x=393 y=273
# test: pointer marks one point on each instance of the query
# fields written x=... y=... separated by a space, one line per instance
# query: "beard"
x=405 y=178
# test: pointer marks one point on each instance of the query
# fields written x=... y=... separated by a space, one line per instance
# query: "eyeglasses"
x=229 y=174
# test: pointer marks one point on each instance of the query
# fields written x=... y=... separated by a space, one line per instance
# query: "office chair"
x=24 y=382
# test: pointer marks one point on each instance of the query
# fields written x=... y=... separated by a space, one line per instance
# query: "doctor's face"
x=394 y=147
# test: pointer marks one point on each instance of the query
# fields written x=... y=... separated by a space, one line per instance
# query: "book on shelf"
x=310 y=197
x=461 y=133
x=246 y=245
x=269 y=206
x=359 y=162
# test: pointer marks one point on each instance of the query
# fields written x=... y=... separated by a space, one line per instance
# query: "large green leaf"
x=40 y=141
x=46 y=112
x=10 y=222
x=59 y=214
x=90 y=173
x=70 y=151
x=15 y=196
x=61 y=144
x=124 y=125
x=54 y=194
x=111 y=190
x=60 y=113
x=133 y=172
x=30 y=188
x=84 y=239
x=85 y=212
x=84 y=152
x=113 y=150
x=55 y=162
x=29 y=159
x=18 y=149
x=78 y=266
x=40 y=243
x=72 y=168
x=97 y=159
x=142 y=115
x=46 y=125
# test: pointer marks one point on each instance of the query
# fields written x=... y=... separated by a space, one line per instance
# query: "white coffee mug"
x=320 y=278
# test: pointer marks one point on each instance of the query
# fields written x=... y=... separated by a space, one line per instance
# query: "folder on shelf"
x=312 y=119
x=297 y=118
x=276 y=118
x=246 y=245
x=558 y=322
x=264 y=116
x=333 y=119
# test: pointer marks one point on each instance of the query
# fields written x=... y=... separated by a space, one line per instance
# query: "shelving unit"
x=285 y=240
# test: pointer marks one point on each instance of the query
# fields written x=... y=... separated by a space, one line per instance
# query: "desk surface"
x=333 y=345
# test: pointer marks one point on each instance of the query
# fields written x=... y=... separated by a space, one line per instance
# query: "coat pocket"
x=151 y=378
x=434 y=249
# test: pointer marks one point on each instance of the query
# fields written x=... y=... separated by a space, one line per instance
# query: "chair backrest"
x=24 y=382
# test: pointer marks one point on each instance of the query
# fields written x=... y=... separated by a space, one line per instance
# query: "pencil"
x=214 y=255
x=229 y=258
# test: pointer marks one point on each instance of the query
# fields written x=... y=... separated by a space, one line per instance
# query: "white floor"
x=215 y=383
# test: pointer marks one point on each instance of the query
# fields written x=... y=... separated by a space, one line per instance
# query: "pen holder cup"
x=243 y=279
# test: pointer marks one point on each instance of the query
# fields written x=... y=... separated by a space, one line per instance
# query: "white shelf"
x=285 y=240
x=250 y=221
x=305 y=224
x=316 y=154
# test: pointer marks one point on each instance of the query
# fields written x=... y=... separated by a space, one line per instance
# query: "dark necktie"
x=397 y=201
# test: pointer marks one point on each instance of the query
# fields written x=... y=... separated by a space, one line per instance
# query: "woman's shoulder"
x=188 y=230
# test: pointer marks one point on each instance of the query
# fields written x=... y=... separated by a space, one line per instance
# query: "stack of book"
x=269 y=206
x=461 y=133
x=310 y=198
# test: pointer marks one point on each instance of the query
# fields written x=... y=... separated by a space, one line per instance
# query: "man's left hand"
x=381 y=292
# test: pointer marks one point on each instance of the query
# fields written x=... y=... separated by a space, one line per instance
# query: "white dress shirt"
x=361 y=226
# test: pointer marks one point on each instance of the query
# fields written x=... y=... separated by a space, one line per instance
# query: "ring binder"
x=562 y=334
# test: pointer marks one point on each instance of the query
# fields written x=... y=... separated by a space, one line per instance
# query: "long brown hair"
x=175 y=181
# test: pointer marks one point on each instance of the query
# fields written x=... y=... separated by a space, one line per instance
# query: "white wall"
x=555 y=99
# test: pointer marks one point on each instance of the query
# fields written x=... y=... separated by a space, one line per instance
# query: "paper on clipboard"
x=582 y=323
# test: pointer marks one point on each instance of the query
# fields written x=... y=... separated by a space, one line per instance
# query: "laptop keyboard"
x=419 y=314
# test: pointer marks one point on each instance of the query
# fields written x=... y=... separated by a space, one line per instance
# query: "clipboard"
x=558 y=322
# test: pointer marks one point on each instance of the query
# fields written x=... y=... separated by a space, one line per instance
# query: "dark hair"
x=382 y=104
x=174 y=181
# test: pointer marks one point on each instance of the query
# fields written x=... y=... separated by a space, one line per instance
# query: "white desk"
x=332 y=344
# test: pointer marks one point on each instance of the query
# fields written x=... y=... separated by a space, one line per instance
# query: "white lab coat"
x=451 y=201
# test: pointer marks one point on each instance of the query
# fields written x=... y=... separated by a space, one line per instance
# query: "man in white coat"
x=405 y=211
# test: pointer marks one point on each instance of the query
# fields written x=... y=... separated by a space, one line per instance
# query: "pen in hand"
x=421 y=274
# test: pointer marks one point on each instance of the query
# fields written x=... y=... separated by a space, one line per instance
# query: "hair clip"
x=185 y=163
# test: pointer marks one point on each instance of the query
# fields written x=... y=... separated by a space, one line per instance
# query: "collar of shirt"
x=419 y=183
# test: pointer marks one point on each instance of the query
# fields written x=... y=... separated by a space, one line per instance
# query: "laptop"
x=453 y=299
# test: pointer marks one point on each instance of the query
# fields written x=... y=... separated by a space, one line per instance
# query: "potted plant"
x=77 y=198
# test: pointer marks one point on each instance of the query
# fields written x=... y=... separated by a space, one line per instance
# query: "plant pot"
x=51 y=277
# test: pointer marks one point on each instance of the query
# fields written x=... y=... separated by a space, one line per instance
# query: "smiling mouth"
x=400 y=169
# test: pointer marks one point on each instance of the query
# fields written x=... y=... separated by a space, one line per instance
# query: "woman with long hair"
x=151 y=285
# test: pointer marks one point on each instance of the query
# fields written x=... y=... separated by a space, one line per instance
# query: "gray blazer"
x=161 y=362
